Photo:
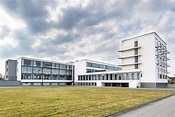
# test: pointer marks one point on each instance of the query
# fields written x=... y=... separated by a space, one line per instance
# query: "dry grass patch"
x=72 y=101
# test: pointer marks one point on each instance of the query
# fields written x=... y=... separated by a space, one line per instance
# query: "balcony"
x=129 y=56
x=127 y=64
x=131 y=48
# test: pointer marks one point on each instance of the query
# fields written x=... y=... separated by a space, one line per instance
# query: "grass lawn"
x=72 y=101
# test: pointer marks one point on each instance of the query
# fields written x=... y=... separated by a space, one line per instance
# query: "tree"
x=1 y=77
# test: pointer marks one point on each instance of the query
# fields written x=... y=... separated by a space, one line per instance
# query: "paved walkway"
x=162 y=108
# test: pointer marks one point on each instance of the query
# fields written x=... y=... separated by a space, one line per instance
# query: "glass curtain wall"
x=121 y=76
x=96 y=65
x=37 y=70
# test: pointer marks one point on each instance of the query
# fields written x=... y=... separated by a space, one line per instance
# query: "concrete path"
x=162 y=108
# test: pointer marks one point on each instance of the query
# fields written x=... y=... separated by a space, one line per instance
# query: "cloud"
x=69 y=30
x=71 y=17
x=4 y=31
x=34 y=13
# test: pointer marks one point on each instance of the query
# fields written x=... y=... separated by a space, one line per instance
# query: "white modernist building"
x=142 y=61
x=86 y=71
x=40 y=72
x=93 y=73
x=148 y=53
x=10 y=69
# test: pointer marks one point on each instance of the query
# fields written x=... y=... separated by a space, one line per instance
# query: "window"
x=26 y=69
x=38 y=63
x=136 y=51
x=106 y=76
x=136 y=66
x=119 y=77
x=160 y=76
x=26 y=76
x=47 y=71
x=47 y=64
x=53 y=65
x=57 y=66
x=27 y=62
x=115 y=76
x=136 y=59
x=110 y=76
x=103 y=77
x=95 y=77
x=130 y=76
x=99 y=78
x=135 y=43
x=124 y=76
x=88 y=77
x=135 y=76
x=83 y=77
x=54 y=71
x=62 y=66
x=95 y=65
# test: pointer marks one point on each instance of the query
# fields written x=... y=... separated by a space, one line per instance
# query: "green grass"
x=72 y=101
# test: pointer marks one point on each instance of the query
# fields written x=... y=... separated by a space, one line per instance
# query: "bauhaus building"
x=142 y=63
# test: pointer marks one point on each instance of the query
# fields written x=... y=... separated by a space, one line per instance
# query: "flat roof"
x=10 y=60
x=36 y=59
x=88 y=60
x=143 y=35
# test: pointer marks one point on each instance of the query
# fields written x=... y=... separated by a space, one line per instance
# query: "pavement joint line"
x=171 y=113
x=133 y=108
x=151 y=109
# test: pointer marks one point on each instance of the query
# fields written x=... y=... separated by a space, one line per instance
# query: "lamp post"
x=41 y=77
x=43 y=74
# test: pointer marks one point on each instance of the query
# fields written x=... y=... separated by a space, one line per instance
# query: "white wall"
x=19 y=69
x=127 y=43
x=128 y=67
x=134 y=84
x=80 y=68
x=128 y=60
x=147 y=58
x=128 y=53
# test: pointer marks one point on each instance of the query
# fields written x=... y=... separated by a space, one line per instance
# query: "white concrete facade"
x=82 y=66
x=149 y=54
x=104 y=74
x=120 y=78
x=143 y=60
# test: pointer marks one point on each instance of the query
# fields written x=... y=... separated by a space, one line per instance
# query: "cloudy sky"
x=66 y=30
